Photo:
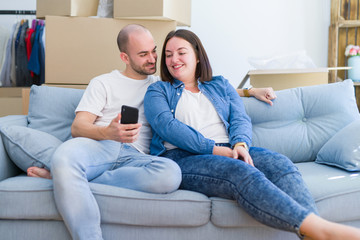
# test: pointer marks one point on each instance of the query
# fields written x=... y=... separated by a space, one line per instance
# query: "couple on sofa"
x=208 y=136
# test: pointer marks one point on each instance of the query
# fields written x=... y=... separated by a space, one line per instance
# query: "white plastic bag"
x=293 y=60
x=105 y=8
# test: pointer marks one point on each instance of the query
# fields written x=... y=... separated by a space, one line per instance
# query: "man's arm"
x=263 y=94
x=83 y=126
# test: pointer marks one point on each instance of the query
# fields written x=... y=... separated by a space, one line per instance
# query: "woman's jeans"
x=80 y=160
x=273 y=193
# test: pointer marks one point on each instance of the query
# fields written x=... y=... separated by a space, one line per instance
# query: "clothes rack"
x=17 y=12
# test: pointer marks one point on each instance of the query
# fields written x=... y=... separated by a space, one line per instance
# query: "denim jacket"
x=160 y=105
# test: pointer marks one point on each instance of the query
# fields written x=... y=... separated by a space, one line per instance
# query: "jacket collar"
x=177 y=83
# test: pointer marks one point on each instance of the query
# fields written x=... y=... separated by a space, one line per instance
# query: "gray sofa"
x=317 y=127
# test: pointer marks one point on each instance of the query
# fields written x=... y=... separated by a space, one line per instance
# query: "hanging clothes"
x=42 y=55
x=29 y=34
x=23 y=77
x=5 y=75
x=24 y=55
x=4 y=38
x=34 y=62
x=13 y=52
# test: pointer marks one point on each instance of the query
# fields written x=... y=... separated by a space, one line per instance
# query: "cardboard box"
x=178 y=10
x=280 y=79
x=81 y=8
x=11 y=101
x=79 y=49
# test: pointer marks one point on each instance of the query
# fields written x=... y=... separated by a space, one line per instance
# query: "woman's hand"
x=241 y=153
x=263 y=94
x=238 y=152
x=223 y=151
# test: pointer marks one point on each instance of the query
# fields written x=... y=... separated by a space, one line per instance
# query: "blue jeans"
x=273 y=192
x=80 y=160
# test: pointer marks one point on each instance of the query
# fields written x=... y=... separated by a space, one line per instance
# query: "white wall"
x=234 y=30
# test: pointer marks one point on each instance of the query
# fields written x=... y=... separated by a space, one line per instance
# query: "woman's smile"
x=181 y=59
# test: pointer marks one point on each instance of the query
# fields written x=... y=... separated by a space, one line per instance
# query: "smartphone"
x=129 y=115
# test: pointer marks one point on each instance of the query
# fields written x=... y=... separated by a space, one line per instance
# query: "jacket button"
x=172 y=110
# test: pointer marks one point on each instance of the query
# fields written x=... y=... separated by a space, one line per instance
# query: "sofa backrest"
x=52 y=109
x=302 y=119
x=299 y=123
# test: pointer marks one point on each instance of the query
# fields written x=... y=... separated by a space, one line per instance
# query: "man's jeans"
x=80 y=160
x=274 y=192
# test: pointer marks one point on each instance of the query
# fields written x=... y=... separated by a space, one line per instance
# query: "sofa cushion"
x=227 y=213
x=302 y=119
x=52 y=109
x=28 y=147
x=7 y=166
x=336 y=192
x=24 y=197
x=343 y=149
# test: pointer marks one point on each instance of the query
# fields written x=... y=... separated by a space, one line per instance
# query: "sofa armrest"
x=7 y=167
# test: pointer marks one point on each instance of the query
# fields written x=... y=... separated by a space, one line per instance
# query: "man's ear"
x=124 y=57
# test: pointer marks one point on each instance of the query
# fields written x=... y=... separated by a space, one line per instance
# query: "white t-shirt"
x=196 y=110
x=105 y=95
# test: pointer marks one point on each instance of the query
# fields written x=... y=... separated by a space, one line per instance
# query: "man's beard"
x=142 y=69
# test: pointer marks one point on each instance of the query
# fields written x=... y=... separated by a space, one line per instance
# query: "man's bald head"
x=123 y=36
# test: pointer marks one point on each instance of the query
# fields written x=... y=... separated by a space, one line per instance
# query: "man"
x=105 y=151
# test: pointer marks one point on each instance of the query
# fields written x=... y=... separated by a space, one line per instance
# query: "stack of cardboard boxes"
x=10 y=101
x=80 y=47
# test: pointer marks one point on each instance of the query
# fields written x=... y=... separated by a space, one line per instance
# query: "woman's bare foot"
x=317 y=228
x=38 y=172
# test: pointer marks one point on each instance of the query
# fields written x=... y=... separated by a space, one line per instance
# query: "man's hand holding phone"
x=124 y=128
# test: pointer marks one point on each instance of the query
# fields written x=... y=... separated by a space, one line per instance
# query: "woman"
x=200 y=122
